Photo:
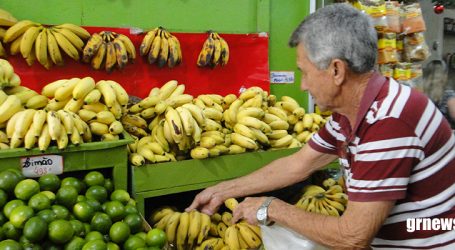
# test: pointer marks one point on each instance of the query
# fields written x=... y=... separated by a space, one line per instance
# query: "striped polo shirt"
x=401 y=148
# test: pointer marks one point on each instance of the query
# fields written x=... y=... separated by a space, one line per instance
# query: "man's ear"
x=338 y=70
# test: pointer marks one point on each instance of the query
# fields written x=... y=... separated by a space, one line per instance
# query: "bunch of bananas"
x=195 y=230
x=214 y=51
x=9 y=105
x=107 y=50
x=161 y=47
x=100 y=104
x=32 y=127
x=329 y=201
x=45 y=44
x=7 y=76
x=29 y=98
x=6 y=20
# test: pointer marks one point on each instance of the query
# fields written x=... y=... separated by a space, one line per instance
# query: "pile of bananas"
x=32 y=127
x=107 y=50
x=210 y=125
x=9 y=105
x=29 y=98
x=6 y=20
x=7 y=76
x=195 y=230
x=45 y=44
x=215 y=51
x=161 y=47
x=100 y=104
x=330 y=200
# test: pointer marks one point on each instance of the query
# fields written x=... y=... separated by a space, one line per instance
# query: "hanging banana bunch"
x=161 y=47
x=46 y=44
x=107 y=50
x=6 y=20
x=215 y=51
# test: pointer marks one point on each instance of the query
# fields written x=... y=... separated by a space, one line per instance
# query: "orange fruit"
x=119 y=232
x=26 y=189
x=133 y=243
x=49 y=182
x=120 y=195
x=115 y=210
x=73 y=182
x=101 y=222
x=156 y=238
x=94 y=178
x=83 y=211
x=60 y=231
x=98 y=193
x=39 y=202
x=20 y=215
x=66 y=196
x=35 y=229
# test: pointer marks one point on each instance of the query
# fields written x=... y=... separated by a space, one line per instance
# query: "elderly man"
x=396 y=148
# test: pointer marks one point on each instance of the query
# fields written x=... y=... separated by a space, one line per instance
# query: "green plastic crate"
x=175 y=177
x=86 y=156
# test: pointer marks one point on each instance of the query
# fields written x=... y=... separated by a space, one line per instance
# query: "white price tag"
x=36 y=166
x=282 y=77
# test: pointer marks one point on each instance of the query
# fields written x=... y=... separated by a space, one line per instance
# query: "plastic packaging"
x=276 y=237
x=393 y=16
x=387 y=48
x=386 y=70
x=377 y=10
x=411 y=18
x=415 y=47
x=417 y=76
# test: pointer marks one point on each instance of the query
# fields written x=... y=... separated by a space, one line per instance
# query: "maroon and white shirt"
x=400 y=149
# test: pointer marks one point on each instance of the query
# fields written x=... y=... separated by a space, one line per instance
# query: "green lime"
x=112 y=246
x=47 y=215
x=81 y=198
x=115 y=210
x=10 y=245
x=130 y=209
x=61 y=212
x=39 y=202
x=78 y=227
x=10 y=205
x=94 y=235
x=96 y=205
x=10 y=231
x=3 y=198
x=73 y=182
x=156 y=237
x=120 y=195
x=50 y=195
x=76 y=243
x=35 y=229
x=26 y=189
x=119 y=232
x=49 y=182
x=3 y=219
x=17 y=172
x=133 y=243
x=98 y=193
x=109 y=185
x=134 y=221
x=101 y=222
x=95 y=245
x=60 y=231
x=66 y=196
x=8 y=180
x=94 y=178
x=83 y=211
x=49 y=245
x=141 y=234
x=132 y=202
x=20 y=215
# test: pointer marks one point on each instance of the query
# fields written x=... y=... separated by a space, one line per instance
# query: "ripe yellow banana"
x=92 y=47
x=83 y=87
x=50 y=88
x=224 y=52
x=53 y=49
x=182 y=230
x=279 y=125
x=9 y=107
x=187 y=120
x=105 y=117
x=65 y=91
x=92 y=97
x=204 y=227
x=199 y=153
x=171 y=227
x=74 y=105
x=174 y=52
x=155 y=48
x=41 y=49
x=95 y=107
x=279 y=112
x=120 y=92
x=164 y=50
x=67 y=120
x=17 y=30
x=312 y=190
x=194 y=228
x=175 y=124
x=54 y=125
x=28 y=40
x=249 y=236
x=62 y=141
x=23 y=123
x=206 y=54
x=160 y=213
x=108 y=93
x=44 y=139
x=130 y=49
x=255 y=123
x=217 y=49
x=98 y=128
x=78 y=30
x=75 y=137
x=116 y=128
x=243 y=141
x=231 y=238
x=74 y=39
x=147 y=42
x=197 y=114
x=111 y=57
x=162 y=223
x=66 y=45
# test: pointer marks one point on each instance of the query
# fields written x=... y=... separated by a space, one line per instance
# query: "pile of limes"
x=69 y=213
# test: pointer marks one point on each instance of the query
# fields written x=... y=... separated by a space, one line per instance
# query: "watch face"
x=261 y=215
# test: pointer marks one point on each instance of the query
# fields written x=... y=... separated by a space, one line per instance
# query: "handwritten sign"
x=36 y=166
x=282 y=77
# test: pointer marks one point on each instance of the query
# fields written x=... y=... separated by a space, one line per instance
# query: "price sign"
x=36 y=166
x=282 y=77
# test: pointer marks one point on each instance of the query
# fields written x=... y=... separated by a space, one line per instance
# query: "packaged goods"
x=415 y=47
x=411 y=18
x=377 y=10
x=393 y=16
x=386 y=70
x=387 y=48
x=402 y=71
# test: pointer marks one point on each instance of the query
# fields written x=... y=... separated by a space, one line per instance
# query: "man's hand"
x=247 y=210
x=208 y=201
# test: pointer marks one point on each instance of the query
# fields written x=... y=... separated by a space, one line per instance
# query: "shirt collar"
x=371 y=92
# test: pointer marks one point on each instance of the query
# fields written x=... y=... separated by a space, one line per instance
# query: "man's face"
x=319 y=83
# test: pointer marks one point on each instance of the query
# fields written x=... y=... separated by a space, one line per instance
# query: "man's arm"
x=277 y=174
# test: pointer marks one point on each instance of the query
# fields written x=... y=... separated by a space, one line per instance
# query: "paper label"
x=282 y=77
x=36 y=166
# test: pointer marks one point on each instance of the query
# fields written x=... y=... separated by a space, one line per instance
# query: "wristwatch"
x=261 y=214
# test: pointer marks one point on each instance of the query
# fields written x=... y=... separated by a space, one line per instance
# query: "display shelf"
x=86 y=156
x=175 y=177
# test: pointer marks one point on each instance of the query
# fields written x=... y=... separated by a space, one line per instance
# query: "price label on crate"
x=36 y=166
